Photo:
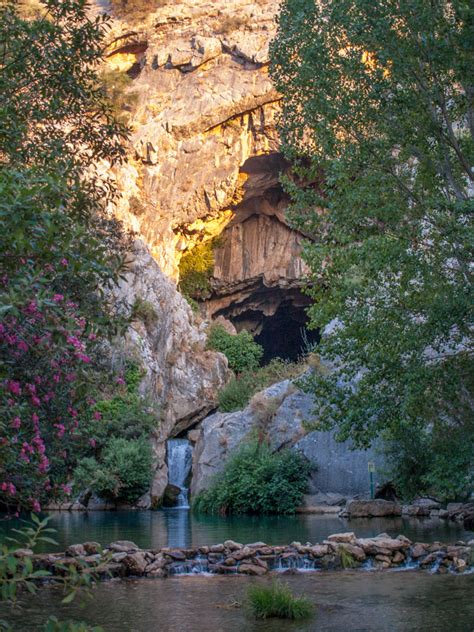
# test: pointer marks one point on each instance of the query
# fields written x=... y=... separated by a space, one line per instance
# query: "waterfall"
x=180 y=456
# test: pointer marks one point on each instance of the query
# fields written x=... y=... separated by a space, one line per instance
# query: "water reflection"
x=178 y=527
x=356 y=601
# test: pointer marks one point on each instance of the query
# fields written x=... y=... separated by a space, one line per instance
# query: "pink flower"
x=9 y=488
x=92 y=442
x=85 y=358
x=66 y=489
x=35 y=505
x=64 y=262
x=14 y=387
x=97 y=415
x=57 y=298
x=35 y=401
x=61 y=430
x=120 y=381
x=16 y=423
x=22 y=346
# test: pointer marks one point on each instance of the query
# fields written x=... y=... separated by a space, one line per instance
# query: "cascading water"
x=180 y=457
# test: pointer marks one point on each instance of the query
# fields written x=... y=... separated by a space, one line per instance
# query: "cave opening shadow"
x=285 y=334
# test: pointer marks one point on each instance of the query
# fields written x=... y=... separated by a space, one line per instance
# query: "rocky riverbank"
x=339 y=551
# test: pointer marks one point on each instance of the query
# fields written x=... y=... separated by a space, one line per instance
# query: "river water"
x=182 y=528
x=354 y=601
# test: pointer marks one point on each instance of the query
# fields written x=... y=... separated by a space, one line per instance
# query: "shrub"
x=239 y=390
x=277 y=601
x=144 y=311
x=236 y=394
x=124 y=473
x=195 y=270
x=346 y=558
x=241 y=350
x=257 y=481
x=122 y=422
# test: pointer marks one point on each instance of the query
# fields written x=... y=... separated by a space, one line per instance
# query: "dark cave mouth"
x=283 y=334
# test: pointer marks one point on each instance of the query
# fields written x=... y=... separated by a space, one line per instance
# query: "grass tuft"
x=277 y=601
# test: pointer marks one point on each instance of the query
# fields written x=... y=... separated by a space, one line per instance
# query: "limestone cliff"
x=204 y=155
x=181 y=376
x=203 y=161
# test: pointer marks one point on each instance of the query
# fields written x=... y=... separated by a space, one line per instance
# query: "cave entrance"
x=283 y=334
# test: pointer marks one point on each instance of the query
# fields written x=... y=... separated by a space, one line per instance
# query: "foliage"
x=378 y=121
x=278 y=601
x=237 y=393
x=424 y=462
x=17 y=574
x=122 y=474
x=114 y=452
x=241 y=350
x=143 y=310
x=59 y=249
x=195 y=270
x=346 y=558
x=257 y=481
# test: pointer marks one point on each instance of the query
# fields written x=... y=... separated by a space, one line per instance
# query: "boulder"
x=135 y=563
x=92 y=548
x=252 y=569
x=342 y=537
x=418 y=550
x=319 y=550
x=232 y=546
x=76 y=550
x=170 y=495
x=369 y=508
x=428 y=503
x=123 y=546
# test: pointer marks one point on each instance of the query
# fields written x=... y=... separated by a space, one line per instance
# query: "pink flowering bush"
x=45 y=352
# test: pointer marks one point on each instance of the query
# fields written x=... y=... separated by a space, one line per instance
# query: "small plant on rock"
x=346 y=558
x=277 y=601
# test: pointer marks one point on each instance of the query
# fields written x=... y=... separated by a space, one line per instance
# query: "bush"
x=239 y=390
x=195 y=270
x=236 y=394
x=257 y=481
x=144 y=311
x=123 y=424
x=124 y=473
x=241 y=350
x=277 y=601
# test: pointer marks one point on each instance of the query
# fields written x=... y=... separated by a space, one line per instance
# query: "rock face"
x=205 y=155
x=181 y=376
x=336 y=467
x=205 y=105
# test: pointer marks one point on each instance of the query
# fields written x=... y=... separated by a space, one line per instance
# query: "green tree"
x=59 y=249
x=378 y=119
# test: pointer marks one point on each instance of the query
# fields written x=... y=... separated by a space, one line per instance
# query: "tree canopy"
x=378 y=120
x=59 y=247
